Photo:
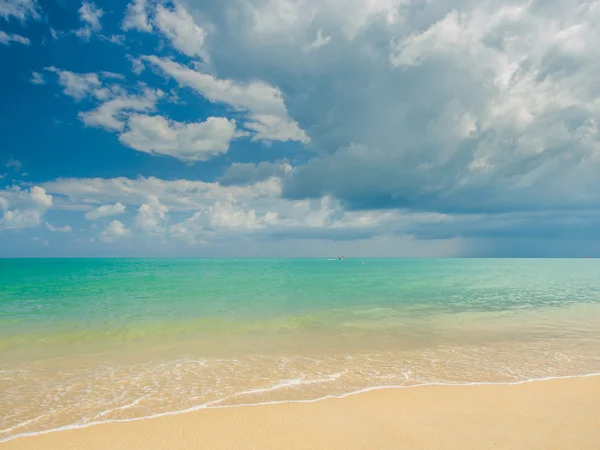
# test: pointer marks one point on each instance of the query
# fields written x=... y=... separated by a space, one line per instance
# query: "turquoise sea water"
x=83 y=341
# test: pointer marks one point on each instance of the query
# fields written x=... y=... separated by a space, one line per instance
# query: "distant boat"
x=341 y=258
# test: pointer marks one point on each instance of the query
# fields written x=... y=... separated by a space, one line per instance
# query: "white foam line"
x=22 y=424
x=289 y=383
x=279 y=402
x=118 y=408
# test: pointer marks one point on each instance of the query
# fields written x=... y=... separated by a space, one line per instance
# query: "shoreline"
x=62 y=436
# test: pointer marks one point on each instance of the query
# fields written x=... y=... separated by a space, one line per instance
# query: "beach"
x=552 y=414
x=225 y=349
x=300 y=224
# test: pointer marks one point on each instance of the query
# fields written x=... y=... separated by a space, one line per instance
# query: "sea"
x=86 y=341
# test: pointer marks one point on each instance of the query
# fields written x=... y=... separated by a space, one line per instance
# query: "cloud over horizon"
x=286 y=121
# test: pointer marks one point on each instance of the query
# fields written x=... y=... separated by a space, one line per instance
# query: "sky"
x=299 y=128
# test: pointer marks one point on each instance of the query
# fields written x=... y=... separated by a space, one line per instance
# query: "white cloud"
x=40 y=197
x=8 y=38
x=16 y=219
x=231 y=215
x=179 y=26
x=117 y=104
x=264 y=103
x=266 y=127
x=20 y=9
x=113 y=75
x=218 y=217
x=256 y=96
x=23 y=209
x=136 y=17
x=276 y=19
x=243 y=174
x=114 y=231
x=431 y=118
x=186 y=141
x=175 y=23
x=437 y=106
x=178 y=195
x=12 y=163
x=91 y=14
x=137 y=66
x=65 y=229
x=84 y=33
x=77 y=85
x=113 y=113
x=105 y=211
x=118 y=39
x=37 y=78
x=205 y=213
x=152 y=216
x=320 y=41
x=216 y=211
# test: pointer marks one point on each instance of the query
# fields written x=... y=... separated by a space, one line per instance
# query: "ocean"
x=84 y=341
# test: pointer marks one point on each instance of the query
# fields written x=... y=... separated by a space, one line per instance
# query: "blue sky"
x=299 y=128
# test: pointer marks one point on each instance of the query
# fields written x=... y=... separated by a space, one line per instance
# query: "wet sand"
x=553 y=414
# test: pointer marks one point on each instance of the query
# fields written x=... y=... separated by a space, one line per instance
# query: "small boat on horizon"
x=341 y=258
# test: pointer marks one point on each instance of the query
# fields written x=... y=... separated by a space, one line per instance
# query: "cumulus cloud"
x=137 y=66
x=256 y=96
x=114 y=232
x=90 y=14
x=105 y=211
x=217 y=218
x=112 y=114
x=186 y=141
x=40 y=197
x=136 y=17
x=173 y=22
x=6 y=39
x=152 y=216
x=76 y=85
x=37 y=78
x=19 y=9
x=20 y=218
x=64 y=229
x=216 y=212
x=113 y=75
x=428 y=119
x=118 y=39
x=179 y=27
x=204 y=213
x=249 y=173
x=447 y=107
x=23 y=208
x=178 y=195
x=274 y=19
x=117 y=105
x=267 y=113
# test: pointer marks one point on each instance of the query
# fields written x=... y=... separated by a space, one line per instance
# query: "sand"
x=554 y=414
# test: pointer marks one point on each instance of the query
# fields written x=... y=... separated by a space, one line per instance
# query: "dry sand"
x=554 y=414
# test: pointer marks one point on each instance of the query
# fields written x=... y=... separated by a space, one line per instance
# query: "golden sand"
x=555 y=414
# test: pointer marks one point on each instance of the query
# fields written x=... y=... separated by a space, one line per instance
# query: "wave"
x=211 y=405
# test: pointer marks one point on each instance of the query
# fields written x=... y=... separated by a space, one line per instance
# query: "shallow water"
x=83 y=341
